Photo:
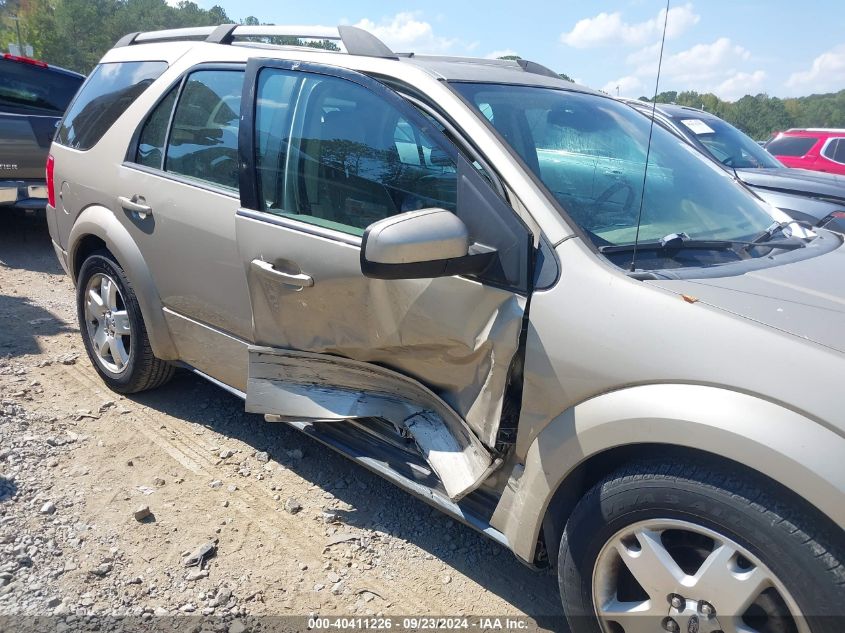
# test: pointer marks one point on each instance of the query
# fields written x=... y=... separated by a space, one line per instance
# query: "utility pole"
x=18 y=29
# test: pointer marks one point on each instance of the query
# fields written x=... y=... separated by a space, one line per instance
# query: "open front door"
x=329 y=152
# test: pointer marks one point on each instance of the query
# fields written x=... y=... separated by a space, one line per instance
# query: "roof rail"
x=356 y=41
x=536 y=69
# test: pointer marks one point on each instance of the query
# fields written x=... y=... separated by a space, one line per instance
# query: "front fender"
x=786 y=446
x=101 y=222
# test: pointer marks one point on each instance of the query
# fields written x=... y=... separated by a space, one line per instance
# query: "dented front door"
x=335 y=151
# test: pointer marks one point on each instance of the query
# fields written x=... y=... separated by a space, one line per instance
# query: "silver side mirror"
x=421 y=244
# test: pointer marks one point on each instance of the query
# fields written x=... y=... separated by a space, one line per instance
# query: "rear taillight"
x=51 y=187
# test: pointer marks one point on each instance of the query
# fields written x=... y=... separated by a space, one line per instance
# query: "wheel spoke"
x=95 y=304
x=118 y=352
x=726 y=585
x=108 y=292
x=101 y=341
x=634 y=617
x=652 y=565
x=121 y=323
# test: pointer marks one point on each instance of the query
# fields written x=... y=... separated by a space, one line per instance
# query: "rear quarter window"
x=28 y=89
x=109 y=90
x=791 y=145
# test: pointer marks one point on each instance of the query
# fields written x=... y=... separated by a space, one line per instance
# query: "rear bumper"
x=23 y=194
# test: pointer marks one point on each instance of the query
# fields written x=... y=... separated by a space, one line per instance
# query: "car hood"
x=804 y=298
x=799 y=181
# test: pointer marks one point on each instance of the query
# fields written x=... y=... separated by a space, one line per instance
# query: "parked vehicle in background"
x=33 y=98
x=452 y=271
x=809 y=196
x=818 y=149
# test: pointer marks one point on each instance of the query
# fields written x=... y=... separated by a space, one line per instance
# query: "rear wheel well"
x=87 y=245
x=596 y=467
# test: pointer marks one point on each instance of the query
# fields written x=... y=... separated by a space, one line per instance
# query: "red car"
x=819 y=149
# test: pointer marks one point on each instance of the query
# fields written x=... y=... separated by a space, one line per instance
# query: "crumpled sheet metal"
x=455 y=336
x=284 y=383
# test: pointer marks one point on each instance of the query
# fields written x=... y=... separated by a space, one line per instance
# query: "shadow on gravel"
x=376 y=504
x=21 y=321
x=25 y=243
x=8 y=488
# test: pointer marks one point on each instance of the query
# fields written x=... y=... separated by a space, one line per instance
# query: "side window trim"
x=179 y=84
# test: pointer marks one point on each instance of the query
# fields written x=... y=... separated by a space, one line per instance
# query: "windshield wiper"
x=681 y=241
x=769 y=233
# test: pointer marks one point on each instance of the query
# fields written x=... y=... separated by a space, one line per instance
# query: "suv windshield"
x=728 y=145
x=590 y=152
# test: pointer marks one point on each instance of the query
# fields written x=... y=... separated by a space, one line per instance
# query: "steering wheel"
x=615 y=188
x=729 y=161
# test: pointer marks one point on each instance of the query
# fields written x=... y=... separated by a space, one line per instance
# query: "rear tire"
x=113 y=330
x=690 y=509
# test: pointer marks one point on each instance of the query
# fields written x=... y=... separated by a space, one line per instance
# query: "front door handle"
x=136 y=204
x=300 y=280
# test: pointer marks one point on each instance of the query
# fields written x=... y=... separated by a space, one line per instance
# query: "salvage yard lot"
x=77 y=461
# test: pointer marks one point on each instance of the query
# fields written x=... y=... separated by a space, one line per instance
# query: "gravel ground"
x=102 y=499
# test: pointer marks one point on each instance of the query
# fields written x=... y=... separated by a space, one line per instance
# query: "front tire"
x=699 y=545
x=113 y=330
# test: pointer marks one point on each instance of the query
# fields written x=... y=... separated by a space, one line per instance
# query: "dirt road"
x=77 y=461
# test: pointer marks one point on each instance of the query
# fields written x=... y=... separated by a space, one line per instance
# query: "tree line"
x=760 y=115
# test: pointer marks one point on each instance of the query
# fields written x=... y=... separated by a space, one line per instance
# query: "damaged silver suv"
x=501 y=291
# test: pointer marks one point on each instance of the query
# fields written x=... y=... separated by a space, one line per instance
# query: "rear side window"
x=839 y=155
x=154 y=134
x=791 y=145
x=835 y=150
x=110 y=89
x=203 y=142
x=25 y=88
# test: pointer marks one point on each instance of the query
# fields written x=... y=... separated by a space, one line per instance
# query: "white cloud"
x=708 y=67
x=826 y=74
x=628 y=86
x=502 y=53
x=405 y=32
x=610 y=29
x=740 y=84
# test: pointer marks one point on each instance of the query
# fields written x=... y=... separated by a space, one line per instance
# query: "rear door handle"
x=300 y=280
x=136 y=204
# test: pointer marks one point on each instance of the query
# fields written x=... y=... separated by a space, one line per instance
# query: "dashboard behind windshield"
x=590 y=152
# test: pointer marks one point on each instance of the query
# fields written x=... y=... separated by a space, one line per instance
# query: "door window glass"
x=150 y=150
x=343 y=158
x=203 y=141
x=839 y=154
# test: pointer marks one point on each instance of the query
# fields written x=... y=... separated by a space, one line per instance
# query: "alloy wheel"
x=107 y=320
x=671 y=575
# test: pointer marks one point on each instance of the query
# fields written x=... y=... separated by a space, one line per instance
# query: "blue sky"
x=780 y=47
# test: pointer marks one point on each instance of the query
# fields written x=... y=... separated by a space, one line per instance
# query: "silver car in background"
x=486 y=284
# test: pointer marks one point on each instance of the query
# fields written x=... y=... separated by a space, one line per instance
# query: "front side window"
x=342 y=158
x=203 y=142
x=108 y=91
x=590 y=152
x=795 y=146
